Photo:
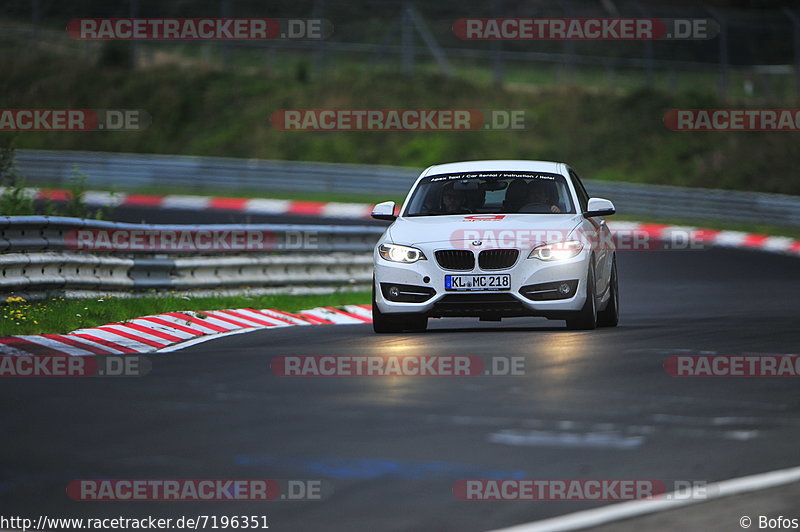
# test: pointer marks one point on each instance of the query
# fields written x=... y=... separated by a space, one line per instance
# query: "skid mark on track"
x=577 y=433
x=572 y=440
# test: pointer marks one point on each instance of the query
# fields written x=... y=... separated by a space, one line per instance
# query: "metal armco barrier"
x=142 y=170
x=51 y=270
x=134 y=170
x=40 y=253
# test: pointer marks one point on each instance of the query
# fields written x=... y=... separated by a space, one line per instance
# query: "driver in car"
x=538 y=201
x=454 y=201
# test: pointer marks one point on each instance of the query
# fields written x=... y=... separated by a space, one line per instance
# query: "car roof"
x=493 y=166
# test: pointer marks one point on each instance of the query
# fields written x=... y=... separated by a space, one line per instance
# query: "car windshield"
x=491 y=193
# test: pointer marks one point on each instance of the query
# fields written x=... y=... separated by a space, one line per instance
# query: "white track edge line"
x=206 y=338
x=626 y=510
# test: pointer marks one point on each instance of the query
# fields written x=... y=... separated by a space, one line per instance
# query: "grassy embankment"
x=64 y=315
x=197 y=111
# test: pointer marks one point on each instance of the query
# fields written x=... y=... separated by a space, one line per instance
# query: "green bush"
x=16 y=199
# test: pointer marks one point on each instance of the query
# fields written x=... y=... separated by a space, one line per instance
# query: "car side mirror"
x=384 y=211
x=599 y=207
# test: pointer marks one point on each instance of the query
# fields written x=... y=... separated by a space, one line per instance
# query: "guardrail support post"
x=407 y=36
x=796 y=39
x=723 y=50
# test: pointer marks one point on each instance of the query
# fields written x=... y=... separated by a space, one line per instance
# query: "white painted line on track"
x=629 y=509
x=201 y=339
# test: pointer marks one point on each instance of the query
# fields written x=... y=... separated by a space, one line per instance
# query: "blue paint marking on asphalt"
x=358 y=468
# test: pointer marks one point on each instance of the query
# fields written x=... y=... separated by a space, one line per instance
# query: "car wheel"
x=388 y=323
x=586 y=318
x=610 y=316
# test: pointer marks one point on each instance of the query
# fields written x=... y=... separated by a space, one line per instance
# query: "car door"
x=603 y=249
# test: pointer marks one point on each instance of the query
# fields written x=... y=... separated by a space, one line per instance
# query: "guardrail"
x=187 y=173
x=693 y=204
x=41 y=254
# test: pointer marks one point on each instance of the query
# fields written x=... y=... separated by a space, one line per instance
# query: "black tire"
x=415 y=323
x=395 y=323
x=586 y=318
x=609 y=317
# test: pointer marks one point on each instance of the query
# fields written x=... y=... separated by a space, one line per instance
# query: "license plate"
x=477 y=282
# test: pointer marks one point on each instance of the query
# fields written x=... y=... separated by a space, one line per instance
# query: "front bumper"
x=430 y=278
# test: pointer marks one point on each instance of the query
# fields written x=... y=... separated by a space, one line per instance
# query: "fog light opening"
x=564 y=288
x=394 y=292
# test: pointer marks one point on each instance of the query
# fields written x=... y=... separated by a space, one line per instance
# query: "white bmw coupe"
x=495 y=239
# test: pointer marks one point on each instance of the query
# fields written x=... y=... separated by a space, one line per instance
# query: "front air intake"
x=497 y=259
x=455 y=259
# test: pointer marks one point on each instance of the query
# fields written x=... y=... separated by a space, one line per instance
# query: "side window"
x=583 y=196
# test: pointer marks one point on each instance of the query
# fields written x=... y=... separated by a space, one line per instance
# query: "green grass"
x=59 y=315
x=522 y=74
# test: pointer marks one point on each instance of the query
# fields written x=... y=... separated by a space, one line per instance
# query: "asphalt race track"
x=391 y=448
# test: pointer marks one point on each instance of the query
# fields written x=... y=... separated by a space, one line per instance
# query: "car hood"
x=533 y=228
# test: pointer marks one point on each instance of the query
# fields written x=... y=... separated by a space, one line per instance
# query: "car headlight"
x=557 y=250
x=404 y=254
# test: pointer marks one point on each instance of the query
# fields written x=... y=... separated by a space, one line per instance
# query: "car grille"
x=497 y=259
x=455 y=259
